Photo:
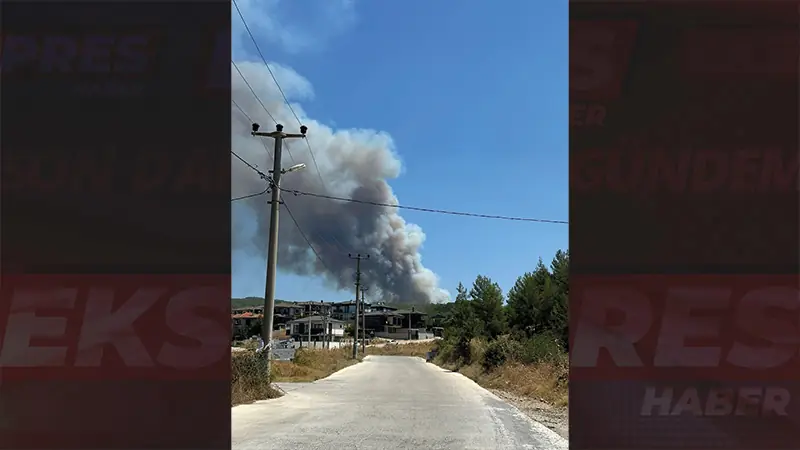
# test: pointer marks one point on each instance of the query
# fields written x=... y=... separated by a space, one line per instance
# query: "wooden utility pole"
x=272 y=250
x=363 y=319
x=358 y=259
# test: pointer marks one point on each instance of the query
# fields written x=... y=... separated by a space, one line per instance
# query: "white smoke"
x=353 y=163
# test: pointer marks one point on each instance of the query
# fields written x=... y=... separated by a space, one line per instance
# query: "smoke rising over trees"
x=353 y=164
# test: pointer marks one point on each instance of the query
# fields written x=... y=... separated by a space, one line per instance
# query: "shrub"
x=477 y=350
x=249 y=378
x=541 y=348
x=500 y=351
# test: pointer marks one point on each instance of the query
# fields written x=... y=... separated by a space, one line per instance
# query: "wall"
x=402 y=335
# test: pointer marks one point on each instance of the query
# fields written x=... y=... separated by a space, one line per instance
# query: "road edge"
x=538 y=426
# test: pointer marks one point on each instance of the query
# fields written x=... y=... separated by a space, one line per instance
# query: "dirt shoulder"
x=554 y=417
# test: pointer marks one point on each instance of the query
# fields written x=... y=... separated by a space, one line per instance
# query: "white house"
x=299 y=328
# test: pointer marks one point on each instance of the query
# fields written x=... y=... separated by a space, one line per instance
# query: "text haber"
x=744 y=401
x=104 y=322
x=692 y=327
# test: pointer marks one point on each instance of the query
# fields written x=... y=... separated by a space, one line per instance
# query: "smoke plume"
x=353 y=164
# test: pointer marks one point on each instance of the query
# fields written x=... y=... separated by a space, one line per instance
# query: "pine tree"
x=560 y=275
x=463 y=325
x=487 y=301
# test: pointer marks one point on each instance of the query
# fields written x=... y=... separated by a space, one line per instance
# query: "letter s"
x=182 y=319
x=132 y=54
x=752 y=318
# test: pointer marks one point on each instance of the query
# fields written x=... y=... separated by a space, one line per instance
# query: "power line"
x=430 y=210
x=244 y=197
x=417 y=208
x=271 y=183
x=269 y=152
x=285 y=99
x=249 y=119
x=305 y=238
x=260 y=173
x=252 y=91
x=263 y=176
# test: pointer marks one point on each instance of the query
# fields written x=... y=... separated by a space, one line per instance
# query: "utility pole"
x=272 y=252
x=364 y=319
x=324 y=324
x=358 y=259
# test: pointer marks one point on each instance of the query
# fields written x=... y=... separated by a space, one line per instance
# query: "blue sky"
x=476 y=101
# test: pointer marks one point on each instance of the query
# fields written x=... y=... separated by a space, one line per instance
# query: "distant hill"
x=246 y=302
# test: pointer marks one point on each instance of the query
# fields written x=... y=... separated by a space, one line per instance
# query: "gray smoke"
x=354 y=164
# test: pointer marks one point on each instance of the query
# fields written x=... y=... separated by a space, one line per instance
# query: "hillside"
x=246 y=302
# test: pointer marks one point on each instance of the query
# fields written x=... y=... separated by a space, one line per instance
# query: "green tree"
x=487 y=302
x=461 y=292
x=560 y=275
x=521 y=311
x=463 y=325
x=537 y=303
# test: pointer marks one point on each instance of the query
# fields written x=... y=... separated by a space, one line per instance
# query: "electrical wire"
x=252 y=91
x=249 y=119
x=305 y=238
x=271 y=183
x=413 y=208
x=430 y=210
x=263 y=176
x=285 y=99
x=269 y=152
x=244 y=197
x=264 y=107
x=259 y=172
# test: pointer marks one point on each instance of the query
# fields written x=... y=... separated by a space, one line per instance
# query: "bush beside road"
x=248 y=380
x=248 y=369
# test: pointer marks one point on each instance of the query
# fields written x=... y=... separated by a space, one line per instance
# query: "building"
x=299 y=328
x=243 y=319
x=243 y=323
x=382 y=323
x=250 y=309
x=412 y=319
x=393 y=324
x=346 y=310
x=383 y=307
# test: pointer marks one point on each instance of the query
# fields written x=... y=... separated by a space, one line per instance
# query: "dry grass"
x=312 y=364
x=249 y=380
x=411 y=349
x=545 y=381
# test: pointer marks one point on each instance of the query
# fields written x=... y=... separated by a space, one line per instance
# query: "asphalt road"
x=388 y=402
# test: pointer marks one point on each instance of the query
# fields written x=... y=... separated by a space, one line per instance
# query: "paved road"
x=388 y=402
